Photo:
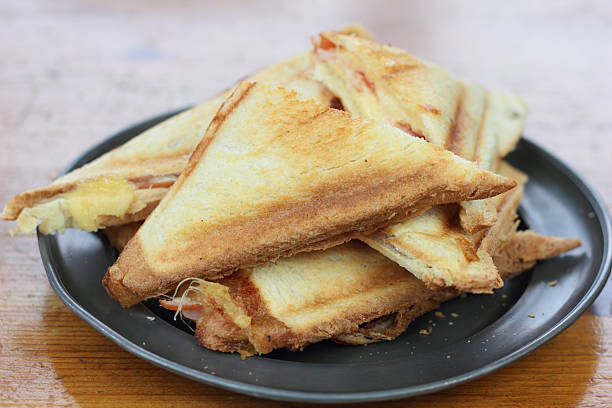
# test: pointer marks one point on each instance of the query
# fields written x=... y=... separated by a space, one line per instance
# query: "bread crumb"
x=531 y=315
x=448 y=356
x=450 y=323
x=454 y=315
x=552 y=283
x=426 y=332
x=439 y=314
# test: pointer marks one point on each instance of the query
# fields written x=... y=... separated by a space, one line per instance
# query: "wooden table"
x=73 y=72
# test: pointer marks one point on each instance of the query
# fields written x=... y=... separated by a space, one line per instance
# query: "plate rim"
x=600 y=279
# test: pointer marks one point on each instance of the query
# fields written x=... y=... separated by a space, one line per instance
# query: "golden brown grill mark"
x=365 y=81
x=267 y=332
x=429 y=108
x=455 y=139
x=480 y=135
x=452 y=222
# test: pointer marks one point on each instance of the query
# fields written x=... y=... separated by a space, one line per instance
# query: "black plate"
x=489 y=332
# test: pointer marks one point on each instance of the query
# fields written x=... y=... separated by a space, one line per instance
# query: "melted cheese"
x=106 y=196
x=48 y=216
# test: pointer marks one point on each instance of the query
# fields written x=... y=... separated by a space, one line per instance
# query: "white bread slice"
x=386 y=83
x=276 y=175
x=436 y=249
x=518 y=253
x=300 y=300
x=349 y=293
x=126 y=184
x=136 y=175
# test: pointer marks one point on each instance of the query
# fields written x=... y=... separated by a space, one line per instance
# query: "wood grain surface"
x=73 y=72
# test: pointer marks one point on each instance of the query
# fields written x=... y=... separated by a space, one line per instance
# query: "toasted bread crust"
x=525 y=248
x=518 y=254
x=369 y=314
x=438 y=251
x=389 y=327
x=132 y=273
x=163 y=151
x=424 y=100
x=165 y=148
x=15 y=205
x=343 y=205
x=372 y=286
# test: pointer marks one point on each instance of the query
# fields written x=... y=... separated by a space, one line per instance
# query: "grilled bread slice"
x=349 y=293
x=275 y=175
x=386 y=83
x=518 y=254
x=309 y=297
x=525 y=248
x=436 y=249
x=466 y=248
x=126 y=184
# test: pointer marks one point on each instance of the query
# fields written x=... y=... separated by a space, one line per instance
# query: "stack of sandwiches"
x=337 y=195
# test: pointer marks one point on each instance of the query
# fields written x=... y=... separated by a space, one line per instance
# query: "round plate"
x=488 y=332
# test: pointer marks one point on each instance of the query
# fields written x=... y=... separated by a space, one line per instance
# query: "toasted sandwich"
x=386 y=83
x=276 y=175
x=518 y=254
x=349 y=293
x=126 y=184
x=438 y=251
